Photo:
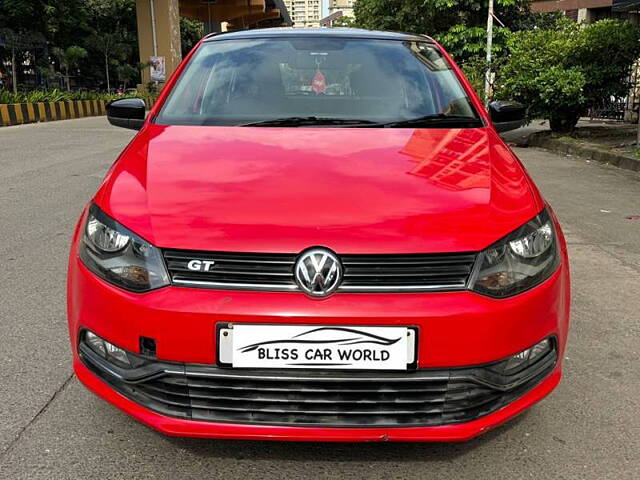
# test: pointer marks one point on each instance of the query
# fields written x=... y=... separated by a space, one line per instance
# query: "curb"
x=583 y=149
x=21 y=113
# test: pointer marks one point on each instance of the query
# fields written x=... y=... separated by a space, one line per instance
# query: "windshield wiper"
x=302 y=121
x=439 y=120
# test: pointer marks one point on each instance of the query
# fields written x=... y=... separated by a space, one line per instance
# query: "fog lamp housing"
x=527 y=357
x=110 y=352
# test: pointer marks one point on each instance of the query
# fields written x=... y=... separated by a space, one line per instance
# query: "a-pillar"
x=158 y=34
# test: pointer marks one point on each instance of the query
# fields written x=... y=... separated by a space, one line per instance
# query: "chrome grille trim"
x=367 y=273
x=237 y=286
x=403 y=288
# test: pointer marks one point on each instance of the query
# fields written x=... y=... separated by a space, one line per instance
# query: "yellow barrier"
x=19 y=113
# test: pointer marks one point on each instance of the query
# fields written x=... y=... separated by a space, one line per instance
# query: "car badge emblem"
x=200 y=265
x=318 y=272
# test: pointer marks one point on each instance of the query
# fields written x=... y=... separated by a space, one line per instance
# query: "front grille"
x=322 y=398
x=362 y=273
x=406 y=272
x=233 y=270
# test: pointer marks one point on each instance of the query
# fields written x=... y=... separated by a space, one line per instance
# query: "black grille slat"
x=319 y=420
x=419 y=259
x=297 y=398
x=381 y=275
x=327 y=390
x=362 y=273
x=338 y=410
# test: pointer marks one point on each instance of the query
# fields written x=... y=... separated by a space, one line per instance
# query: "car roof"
x=315 y=32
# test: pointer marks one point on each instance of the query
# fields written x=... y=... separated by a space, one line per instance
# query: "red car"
x=318 y=235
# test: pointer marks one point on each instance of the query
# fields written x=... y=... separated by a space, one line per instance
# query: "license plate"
x=312 y=346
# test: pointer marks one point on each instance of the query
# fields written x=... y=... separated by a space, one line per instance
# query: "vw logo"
x=318 y=272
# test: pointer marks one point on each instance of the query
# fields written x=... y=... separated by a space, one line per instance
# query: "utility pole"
x=638 y=137
x=487 y=79
x=14 y=74
x=635 y=78
x=153 y=32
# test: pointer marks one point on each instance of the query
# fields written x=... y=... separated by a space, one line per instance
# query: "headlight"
x=519 y=261
x=120 y=256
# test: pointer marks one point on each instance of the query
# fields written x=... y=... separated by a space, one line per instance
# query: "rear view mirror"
x=507 y=116
x=127 y=113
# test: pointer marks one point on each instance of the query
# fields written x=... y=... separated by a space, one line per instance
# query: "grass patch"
x=634 y=152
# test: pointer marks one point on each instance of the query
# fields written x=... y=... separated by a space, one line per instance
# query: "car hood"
x=353 y=190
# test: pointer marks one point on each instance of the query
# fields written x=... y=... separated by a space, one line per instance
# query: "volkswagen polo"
x=318 y=235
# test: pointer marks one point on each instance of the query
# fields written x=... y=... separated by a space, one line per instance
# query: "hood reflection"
x=458 y=160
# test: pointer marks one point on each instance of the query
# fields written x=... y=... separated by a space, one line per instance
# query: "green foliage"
x=606 y=51
x=55 y=95
x=21 y=15
x=460 y=25
x=475 y=70
x=560 y=72
x=553 y=65
x=537 y=74
x=191 y=31
x=40 y=33
x=464 y=42
x=69 y=59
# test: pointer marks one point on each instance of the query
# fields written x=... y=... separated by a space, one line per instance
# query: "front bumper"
x=456 y=330
x=321 y=398
x=176 y=427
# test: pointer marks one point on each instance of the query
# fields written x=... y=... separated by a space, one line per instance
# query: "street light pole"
x=487 y=80
x=154 y=37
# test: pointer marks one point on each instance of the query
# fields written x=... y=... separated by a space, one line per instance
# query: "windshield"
x=332 y=81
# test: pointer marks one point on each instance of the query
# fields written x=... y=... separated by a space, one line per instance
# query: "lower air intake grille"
x=323 y=398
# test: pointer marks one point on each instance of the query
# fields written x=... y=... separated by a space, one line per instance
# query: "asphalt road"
x=52 y=428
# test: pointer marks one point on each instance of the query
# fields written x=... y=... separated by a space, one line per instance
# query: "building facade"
x=589 y=11
x=159 y=24
x=344 y=6
x=304 y=13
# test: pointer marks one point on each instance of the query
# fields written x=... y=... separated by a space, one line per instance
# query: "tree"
x=105 y=29
x=458 y=24
x=191 y=31
x=18 y=44
x=558 y=73
x=127 y=73
x=112 y=32
x=22 y=15
x=105 y=43
x=69 y=60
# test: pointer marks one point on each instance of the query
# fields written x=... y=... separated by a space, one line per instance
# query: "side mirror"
x=126 y=113
x=507 y=116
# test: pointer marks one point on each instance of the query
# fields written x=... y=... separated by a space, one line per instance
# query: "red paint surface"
x=351 y=190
